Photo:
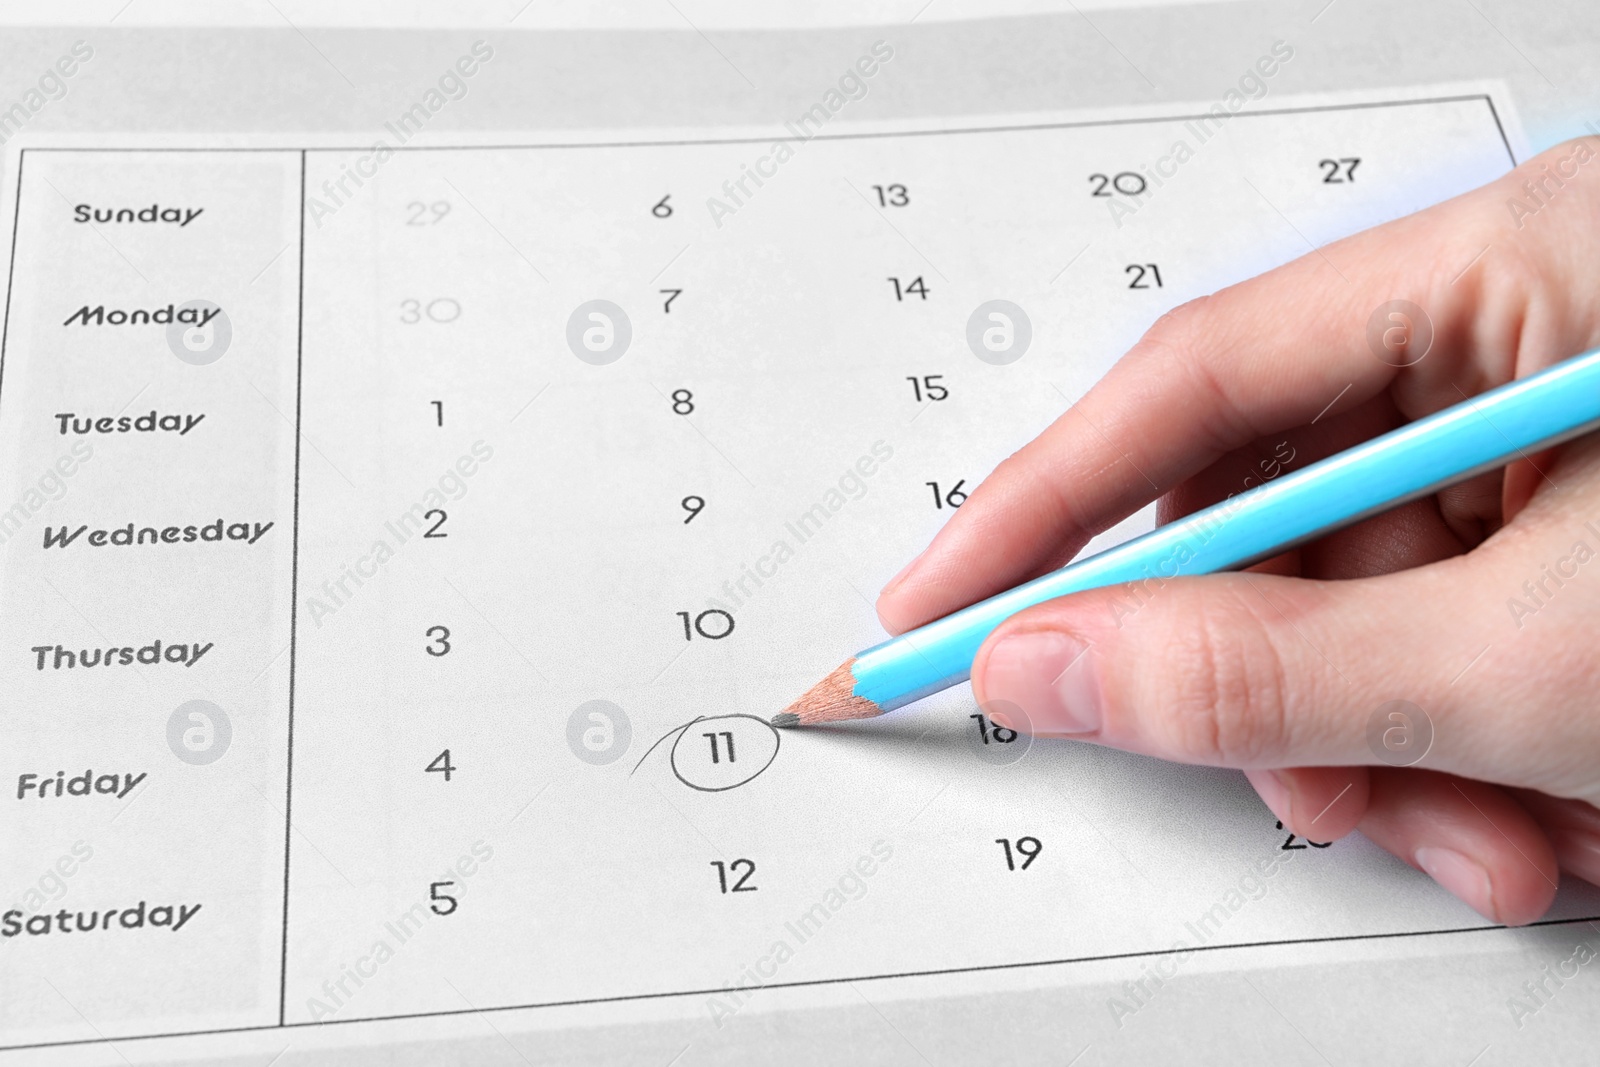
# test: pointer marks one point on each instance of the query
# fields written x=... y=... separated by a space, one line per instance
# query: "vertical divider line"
x=294 y=600
x=11 y=271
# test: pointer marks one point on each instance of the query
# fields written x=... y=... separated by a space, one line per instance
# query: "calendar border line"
x=294 y=599
x=11 y=272
x=1495 y=114
x=1358 y=105
x=803 y=984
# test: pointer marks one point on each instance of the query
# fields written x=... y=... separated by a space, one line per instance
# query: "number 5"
x=439 y=898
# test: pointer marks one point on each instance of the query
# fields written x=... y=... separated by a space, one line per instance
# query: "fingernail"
x=903 y=574
x=1465 y=878
x=1274 y=792
x=1050 y=677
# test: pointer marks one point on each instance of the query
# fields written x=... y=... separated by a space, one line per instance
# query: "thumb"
x=1237 y=670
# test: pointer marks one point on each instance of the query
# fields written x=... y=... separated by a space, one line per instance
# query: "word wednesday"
x=250 y=533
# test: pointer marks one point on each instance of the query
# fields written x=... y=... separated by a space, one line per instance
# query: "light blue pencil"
x=1476 y=435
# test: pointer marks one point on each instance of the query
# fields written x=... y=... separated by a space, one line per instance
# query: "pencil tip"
x=831 y=700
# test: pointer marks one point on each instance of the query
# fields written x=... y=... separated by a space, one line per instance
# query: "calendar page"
x=403 y=546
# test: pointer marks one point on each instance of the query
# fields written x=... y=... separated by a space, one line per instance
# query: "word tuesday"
x=179 y=424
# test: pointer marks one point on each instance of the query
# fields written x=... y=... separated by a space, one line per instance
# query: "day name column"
x=147 y=407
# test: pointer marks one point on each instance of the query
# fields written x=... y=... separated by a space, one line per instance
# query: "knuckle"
x=1223 y=697
x=1182 y=342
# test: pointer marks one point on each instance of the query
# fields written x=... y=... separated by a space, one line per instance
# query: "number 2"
x=1289 y=845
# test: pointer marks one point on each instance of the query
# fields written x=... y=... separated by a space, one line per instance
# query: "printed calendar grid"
x=296 y=576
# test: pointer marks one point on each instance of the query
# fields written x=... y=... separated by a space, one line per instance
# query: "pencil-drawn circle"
x=199 y=732
x=599 y=732
x=1002 y=741
x=999 y=332
x=1399 y=733
x=198 y=344
x=723 y=752
x=1399 y=333
x=598 y=332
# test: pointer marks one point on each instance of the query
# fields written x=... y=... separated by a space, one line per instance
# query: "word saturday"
x=139 y=917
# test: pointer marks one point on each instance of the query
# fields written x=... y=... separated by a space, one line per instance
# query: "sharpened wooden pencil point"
x=831 y=700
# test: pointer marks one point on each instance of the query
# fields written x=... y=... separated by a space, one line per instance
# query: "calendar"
x=405 y=546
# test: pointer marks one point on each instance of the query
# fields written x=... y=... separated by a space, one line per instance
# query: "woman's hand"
x=1480 y=605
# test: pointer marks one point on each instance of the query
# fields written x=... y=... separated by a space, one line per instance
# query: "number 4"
x=441 y=765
